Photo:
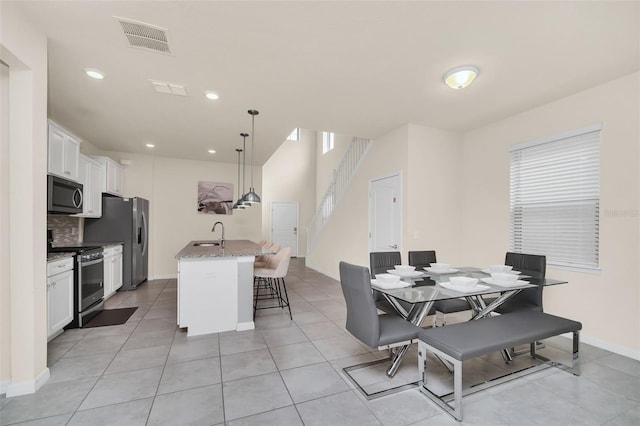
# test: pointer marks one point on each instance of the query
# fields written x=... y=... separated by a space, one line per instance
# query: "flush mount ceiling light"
x=460 y=77
x=94 y=73
x=212 y=151
x=211 y=96
x=150 y=145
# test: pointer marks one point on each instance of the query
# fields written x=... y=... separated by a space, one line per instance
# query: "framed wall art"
x=215 y=198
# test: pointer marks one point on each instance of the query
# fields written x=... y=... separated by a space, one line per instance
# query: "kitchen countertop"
x=105 y=244
x=232 y=248
x=51 y=257
x=92 y=244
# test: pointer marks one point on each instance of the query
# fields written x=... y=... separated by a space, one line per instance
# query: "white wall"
x=170 y=185
x=289 y=175
x=345 y=236
x=608 y=304
x=23 y=333
x=456 y=201
x=433 y=197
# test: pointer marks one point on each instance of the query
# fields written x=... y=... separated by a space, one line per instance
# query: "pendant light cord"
x=244 y=160
x=253 y=114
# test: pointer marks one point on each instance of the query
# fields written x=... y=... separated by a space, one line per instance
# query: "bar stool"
x=262 y=260
x=268 y=282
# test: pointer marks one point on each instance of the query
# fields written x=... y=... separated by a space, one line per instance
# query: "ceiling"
x=357 y=68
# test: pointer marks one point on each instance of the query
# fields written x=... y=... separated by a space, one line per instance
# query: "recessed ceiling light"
x=211 y=96
x=150 y=145
x=94 y=73
x=212 y=151
x=460 y=77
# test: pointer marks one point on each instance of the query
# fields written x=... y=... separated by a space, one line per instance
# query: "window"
x=555 y=198
x=295 y=135
x=327 y=142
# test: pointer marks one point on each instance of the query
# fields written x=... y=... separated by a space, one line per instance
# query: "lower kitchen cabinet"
x=59 y=296
x=112 y=270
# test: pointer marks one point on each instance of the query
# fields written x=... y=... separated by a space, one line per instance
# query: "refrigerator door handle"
x=142 y=234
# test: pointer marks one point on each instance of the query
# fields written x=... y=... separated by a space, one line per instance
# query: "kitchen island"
x=215 y=286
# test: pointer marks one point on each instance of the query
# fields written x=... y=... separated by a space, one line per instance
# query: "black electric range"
x=88 y=280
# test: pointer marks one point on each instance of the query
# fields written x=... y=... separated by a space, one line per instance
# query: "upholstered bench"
x=458 y=342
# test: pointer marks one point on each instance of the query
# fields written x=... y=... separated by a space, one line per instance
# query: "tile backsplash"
x=66 y=229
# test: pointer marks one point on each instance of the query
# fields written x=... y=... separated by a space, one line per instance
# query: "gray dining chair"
x=379 y=263
x=529 y=298
x=534 y=266
x=422 y=259
x=365 y=324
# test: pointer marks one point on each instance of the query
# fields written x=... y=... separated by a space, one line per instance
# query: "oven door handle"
x=93 y=262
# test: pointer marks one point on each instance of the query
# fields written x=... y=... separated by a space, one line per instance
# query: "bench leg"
x=456 y=410
x=575 y=367
x=422 y=359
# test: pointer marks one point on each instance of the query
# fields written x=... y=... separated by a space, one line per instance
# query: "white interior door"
x=385 y=214
x=284 y=225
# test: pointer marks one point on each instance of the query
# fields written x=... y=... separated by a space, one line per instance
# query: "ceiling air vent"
x=145 y=36
x=168 y=88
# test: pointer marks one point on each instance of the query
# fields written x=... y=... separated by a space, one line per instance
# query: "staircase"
x=341 y=178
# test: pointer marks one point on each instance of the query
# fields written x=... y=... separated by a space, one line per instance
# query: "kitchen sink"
x=206 y=244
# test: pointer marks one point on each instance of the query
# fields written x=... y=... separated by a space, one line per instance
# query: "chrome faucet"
x=214 y=230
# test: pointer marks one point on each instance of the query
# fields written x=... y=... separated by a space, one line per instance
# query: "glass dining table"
x=423 y=288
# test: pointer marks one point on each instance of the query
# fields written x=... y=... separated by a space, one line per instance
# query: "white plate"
x=488 y=272
x=476 y=288
x=450 y=271
x=399 y=284
x=410 y=274
x=491 y=281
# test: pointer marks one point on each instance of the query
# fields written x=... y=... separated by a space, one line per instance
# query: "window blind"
x=555 y=198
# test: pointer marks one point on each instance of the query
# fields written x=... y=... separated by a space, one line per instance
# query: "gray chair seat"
x=394 y=329
x=450 y=306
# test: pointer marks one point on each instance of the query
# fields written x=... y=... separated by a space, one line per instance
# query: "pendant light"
x=241 y=200
x=252 y=197
x=239 y=205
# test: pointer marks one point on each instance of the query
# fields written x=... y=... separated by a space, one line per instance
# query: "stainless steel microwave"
x=63 y=196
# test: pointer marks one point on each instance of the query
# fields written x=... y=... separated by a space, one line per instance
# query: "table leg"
x=415 y=315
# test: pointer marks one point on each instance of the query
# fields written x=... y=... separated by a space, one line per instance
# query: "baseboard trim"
x=4 y=384
x=162 y=277
x=25 y=388
x=608 y=346
x=243 y=326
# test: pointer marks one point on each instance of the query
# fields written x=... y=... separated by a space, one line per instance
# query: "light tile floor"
x=147 y=372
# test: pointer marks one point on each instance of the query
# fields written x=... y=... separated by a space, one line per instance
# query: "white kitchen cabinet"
x=91 y=177
x=63 y=153
x=112 y=182
x=112 y=270
x=59 y=296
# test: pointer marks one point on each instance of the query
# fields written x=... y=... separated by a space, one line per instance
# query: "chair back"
x=362 y=315
x=533 y=265
x=422 y=259
x=380 y=261
x=282 y=265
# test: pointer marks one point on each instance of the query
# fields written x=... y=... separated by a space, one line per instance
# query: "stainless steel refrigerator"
x=124 y=220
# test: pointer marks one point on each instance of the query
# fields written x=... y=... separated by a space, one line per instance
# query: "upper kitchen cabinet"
x=64 y=153
x=92 y=178
x=112 y=182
